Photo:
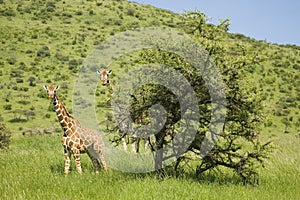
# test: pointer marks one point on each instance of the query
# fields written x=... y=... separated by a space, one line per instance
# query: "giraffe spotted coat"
x=76 y=139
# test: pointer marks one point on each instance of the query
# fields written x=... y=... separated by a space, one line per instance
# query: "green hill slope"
x=45 y=42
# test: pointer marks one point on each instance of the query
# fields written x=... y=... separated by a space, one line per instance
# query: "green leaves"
x=5 y=137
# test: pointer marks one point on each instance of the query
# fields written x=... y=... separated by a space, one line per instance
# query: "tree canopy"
x=237 y=145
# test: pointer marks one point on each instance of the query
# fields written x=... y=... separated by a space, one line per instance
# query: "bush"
x=19 y=80
x=50 y=6
x=8 y=12
x=5 y=137
x=91 y=12
x=130 y=12
x=43 y=52
x=12 y=60
x=73 y=64
x=68 y=15
x=7 y=107
x=297 y=67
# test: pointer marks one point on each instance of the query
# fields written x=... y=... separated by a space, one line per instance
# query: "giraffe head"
x=104 y=76
x=51 y=90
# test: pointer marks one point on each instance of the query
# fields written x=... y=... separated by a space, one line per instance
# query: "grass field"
x=33 y=169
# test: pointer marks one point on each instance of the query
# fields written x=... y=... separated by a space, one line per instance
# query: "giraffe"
x=135 y=142
x=104 y=73
x=76 y=139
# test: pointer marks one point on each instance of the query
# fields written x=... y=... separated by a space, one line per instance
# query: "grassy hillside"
x=45 y=42
x=276 y=73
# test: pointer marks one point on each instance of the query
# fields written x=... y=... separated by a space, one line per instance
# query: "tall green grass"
x=33 y=169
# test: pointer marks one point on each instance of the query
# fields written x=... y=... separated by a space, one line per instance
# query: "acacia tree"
x=238 y=146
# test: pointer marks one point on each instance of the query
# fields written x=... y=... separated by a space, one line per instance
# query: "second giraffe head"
x=51 y=90
x=104 y=76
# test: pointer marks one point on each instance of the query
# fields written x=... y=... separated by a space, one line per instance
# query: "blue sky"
x=276 y=21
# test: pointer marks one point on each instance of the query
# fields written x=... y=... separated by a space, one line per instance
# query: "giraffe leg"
x=137 y=145
x=95 y=162
x=67 y=154
x=102 y=159
x=99 y=150
x=146 y=143
x=76 y=153
x=124 y=144
x=67 y=160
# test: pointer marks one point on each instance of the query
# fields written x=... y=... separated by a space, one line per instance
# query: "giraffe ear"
x=99 y=72
x=57 y=88
x=45 y=87
x=109 y=72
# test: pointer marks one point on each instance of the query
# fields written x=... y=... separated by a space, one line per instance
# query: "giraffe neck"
x=65 y=119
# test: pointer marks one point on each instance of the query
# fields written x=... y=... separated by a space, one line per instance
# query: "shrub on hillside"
x=5 y=137
x=43 y=52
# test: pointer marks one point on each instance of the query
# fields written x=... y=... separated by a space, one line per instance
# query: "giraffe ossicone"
x=77 y=139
